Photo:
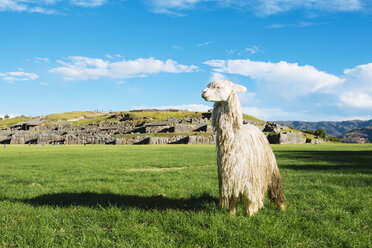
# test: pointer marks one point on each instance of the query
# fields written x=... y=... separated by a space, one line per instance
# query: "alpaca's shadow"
x=93 y=200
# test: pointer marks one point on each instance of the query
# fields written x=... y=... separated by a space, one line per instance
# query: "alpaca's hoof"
x=233 y=211
x=252 y=212
x=282 y=206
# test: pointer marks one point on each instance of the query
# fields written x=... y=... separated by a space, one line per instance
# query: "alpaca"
x=246 y=164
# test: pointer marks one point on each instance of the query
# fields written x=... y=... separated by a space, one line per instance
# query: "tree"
x=307 y=131
x=6 y=117
x=321 y=133
x=333 y=139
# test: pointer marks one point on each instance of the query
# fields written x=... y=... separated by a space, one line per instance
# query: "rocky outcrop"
x=124 y=130
x=286 y=138
x=314 y=141
x=108 y=134
x=272 y=127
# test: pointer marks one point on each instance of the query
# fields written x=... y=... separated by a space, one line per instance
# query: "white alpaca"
x=246 y=164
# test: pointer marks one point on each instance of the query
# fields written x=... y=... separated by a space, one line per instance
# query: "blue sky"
x=299 y=59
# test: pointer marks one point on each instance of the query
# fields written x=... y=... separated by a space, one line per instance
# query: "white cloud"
x=109 y=56
x=12 y=77
x=260 y=7
x=361 y=74
x=279 y=76
x=357 y=99
x=42 y=10
x=84 y=68
x=269 y=114
x=27 y=6
x=230 y=51
x=175 y=7
x=217 y=76
x=253 y=50
x=38 y=60
x=43 y=83
x=280 y=114
x=88 y=3
x=175 y=3
x=270 y=7
x=171 y=7
x=293 y=25
x=357 y=90
x=11 y=5
x=245 y=52
x=43 y=6
x=247 y=97
x=300 y=92
x=205 y=43
x=190 y=107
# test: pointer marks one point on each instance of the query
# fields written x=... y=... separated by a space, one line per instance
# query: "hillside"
x=335 y=128
x=359 y=135
x=150 y=126
x=99 y=117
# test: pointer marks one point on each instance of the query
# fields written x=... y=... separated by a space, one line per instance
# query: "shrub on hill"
x=321 y=133
x=307 y=131
x=333 y=139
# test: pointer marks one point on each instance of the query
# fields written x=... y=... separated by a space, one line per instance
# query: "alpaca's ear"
x=239 y=88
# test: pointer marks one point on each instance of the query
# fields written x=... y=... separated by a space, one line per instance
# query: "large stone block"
x=286 y=138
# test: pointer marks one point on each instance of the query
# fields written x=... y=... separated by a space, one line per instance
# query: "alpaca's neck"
x=227 y=120
x=227 y=117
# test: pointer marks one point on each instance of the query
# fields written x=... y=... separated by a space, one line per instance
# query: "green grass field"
x=167 y=196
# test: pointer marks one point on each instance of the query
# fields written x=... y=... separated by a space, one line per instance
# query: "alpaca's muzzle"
x=204 y=95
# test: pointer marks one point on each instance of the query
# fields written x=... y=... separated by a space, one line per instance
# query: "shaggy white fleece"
x=246 y=163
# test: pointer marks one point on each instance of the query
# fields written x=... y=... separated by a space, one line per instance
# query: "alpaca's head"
x=220 y=90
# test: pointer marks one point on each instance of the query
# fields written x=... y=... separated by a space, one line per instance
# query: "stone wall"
x=108 y=133
x=286 y=138
x=177 y=139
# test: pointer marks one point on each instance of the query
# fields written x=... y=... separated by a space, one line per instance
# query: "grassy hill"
x=96 y=117
x=10 y=122
x=73 y=115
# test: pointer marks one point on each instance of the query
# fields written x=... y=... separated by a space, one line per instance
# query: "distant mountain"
x=359 y=135
x=335 y=128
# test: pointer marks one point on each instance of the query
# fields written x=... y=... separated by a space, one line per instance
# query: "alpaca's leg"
x=224 y=202
x=252 y=208
x=257 y=202
x=251 y=205
x=260 y=200
x=233 y=204
x=260 y=203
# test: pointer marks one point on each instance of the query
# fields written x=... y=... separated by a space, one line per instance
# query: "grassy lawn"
x=167 y=196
